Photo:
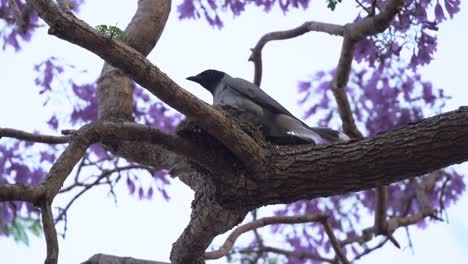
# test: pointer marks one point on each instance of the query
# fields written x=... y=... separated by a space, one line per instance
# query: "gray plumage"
x=276 y=121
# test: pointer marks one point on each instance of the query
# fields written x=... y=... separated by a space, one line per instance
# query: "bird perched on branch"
x=276 y=122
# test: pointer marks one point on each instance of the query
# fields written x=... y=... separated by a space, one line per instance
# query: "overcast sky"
x=147 y=229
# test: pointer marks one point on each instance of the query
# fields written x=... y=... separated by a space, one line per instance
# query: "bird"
x=262 y=110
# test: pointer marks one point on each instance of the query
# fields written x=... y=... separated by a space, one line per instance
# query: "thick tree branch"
x=22 y=135
x=256 y=56
x=21 y=192
x=208 y=220
x=141 y=70
x=307 y=172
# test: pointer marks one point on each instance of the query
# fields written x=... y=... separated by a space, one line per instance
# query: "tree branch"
x=307 y=172
x=115 y=89
x=22 y=135
x=353 y=33
x=21 y=192
x=288 y=253
x=50 y=233
x=208 y=220
x=229 y=243
x=333 y=241
x=256 y=56
x=141 y=70
x=109 y=259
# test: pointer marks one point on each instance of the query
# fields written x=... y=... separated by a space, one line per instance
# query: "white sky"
x=147 y=229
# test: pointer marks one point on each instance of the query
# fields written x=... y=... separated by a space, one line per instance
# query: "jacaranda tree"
x=394 y=168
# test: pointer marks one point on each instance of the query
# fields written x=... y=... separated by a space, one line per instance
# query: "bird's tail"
x=330 y=135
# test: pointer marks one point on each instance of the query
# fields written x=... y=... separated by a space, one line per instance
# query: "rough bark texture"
x=238 y=170
x=115 y=90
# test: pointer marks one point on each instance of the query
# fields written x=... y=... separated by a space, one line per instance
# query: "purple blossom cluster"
x=81 y=108
x=384 y=94
x=414 y=29
x=83 y=97
x=15 y=167
x=14 y=35
x=210 y=9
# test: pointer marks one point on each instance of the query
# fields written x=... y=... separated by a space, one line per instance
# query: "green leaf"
x=110 y=31
x=21 y=228
x=332 y=4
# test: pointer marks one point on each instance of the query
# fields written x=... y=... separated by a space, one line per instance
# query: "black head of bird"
x=209 y=79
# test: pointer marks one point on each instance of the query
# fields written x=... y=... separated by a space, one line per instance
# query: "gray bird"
x=276 y=121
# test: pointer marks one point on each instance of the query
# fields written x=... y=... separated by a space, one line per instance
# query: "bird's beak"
x=194 y=79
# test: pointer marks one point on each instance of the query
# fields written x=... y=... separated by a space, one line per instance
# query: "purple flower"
x=53 y=122
x=303 y=86
x=131 y=185
x=46 y=156
x=187 y=10
x=452 y=7
x=439 y=13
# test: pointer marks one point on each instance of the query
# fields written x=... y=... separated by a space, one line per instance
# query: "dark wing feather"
x=257 y=95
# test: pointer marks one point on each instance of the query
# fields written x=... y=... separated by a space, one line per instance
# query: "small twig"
x=410 y=242
x=373 y=7
x=369 y=250
x=22 y=135
x=256 y=56
x=87 y=187
x=333 y=241
x=288 y=253
x=224 y=249
x=50 y=234
x=368 y=11
x=441 y=198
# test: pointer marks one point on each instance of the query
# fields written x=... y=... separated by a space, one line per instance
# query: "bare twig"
x=22 y=135
x=288 y=253
x=399 y=221
x=224 y=249
x=333 y=241
x=368 y=10
x=441 y=199
x=256 y=56
x=369 y=250
x=87 y=187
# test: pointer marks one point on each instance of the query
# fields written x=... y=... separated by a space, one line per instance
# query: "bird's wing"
x=261 y=98
x=256 y=94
